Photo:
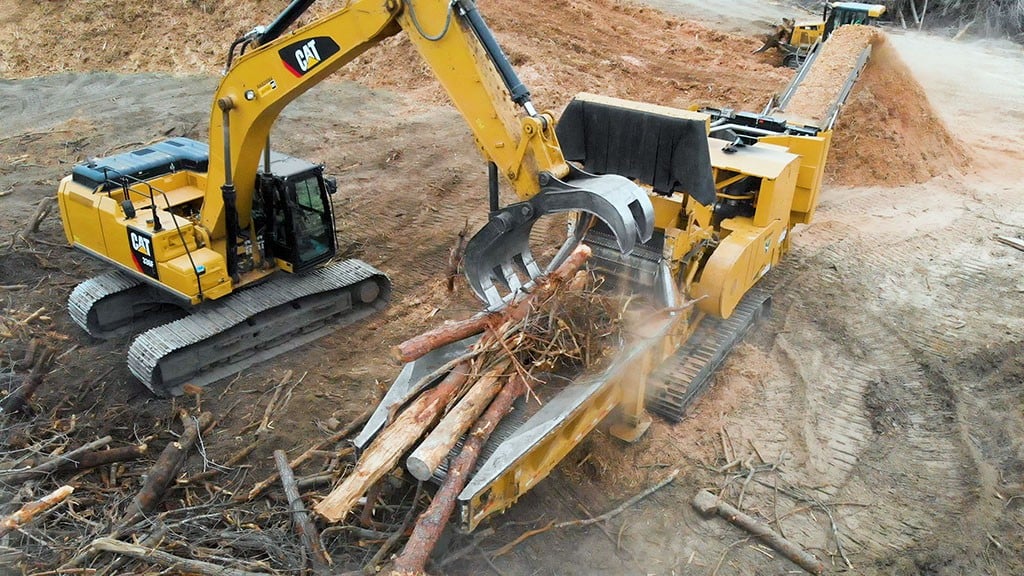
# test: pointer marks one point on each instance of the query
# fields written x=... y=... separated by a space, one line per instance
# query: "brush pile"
x=101 y=506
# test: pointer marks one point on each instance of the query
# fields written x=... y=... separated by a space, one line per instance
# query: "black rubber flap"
x=668 y=153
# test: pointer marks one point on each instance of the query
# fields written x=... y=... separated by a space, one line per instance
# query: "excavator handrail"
x=181 y=235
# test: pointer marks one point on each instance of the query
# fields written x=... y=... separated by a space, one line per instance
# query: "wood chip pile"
x=835 y=63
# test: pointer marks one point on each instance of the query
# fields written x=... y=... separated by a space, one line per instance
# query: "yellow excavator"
x=676 y=205
x=233 y=237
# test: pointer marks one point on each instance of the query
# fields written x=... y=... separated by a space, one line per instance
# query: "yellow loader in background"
x=798 y=40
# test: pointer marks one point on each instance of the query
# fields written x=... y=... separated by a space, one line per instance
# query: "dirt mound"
x=625 y=50
x=888 y=133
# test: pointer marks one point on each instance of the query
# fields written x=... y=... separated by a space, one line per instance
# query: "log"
x=16 y=400
x=32 y=509
x=164 y=559
x=166 y=467
x=432 y=522
x=424 y=461
x=300 y=519
x=449 y=332
x=102 y=457
x=455 y=256
x=708 y=504
x=387 y=449
x=55 y=462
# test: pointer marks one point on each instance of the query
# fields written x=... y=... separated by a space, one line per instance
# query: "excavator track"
x=115 y=304
x=256 y=324
x=684 y=377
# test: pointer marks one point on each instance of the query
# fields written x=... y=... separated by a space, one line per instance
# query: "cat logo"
x=141 y=245
x=304 y=55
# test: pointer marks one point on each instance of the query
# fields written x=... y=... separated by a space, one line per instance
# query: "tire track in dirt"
x=47 y=101
x=866 y=392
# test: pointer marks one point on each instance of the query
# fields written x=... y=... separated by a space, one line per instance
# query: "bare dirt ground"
x=875 y=419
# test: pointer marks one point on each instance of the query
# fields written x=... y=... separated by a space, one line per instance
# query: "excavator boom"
x=456 y=43
x=200 y=230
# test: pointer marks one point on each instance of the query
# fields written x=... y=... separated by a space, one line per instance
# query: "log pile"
x=539 y=332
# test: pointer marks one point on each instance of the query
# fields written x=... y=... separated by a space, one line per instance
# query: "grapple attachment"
x=498 y=259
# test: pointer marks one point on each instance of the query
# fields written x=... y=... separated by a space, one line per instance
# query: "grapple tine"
x=511 y=278
x=500 y=251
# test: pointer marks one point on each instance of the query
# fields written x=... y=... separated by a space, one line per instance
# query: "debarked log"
x=387 y=449
x=432 y=522
x=32 y=509
x=431 y=452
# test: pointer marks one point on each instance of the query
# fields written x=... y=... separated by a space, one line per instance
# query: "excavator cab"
x=292 y=213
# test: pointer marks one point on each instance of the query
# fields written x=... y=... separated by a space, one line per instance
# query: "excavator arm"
x=518 y=142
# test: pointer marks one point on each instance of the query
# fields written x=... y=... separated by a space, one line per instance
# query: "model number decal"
x=302 y=56
x=141 y=245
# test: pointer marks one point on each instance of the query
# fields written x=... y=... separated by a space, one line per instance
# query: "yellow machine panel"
x=96 y=221
x=740 y=260
x=813 y=152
